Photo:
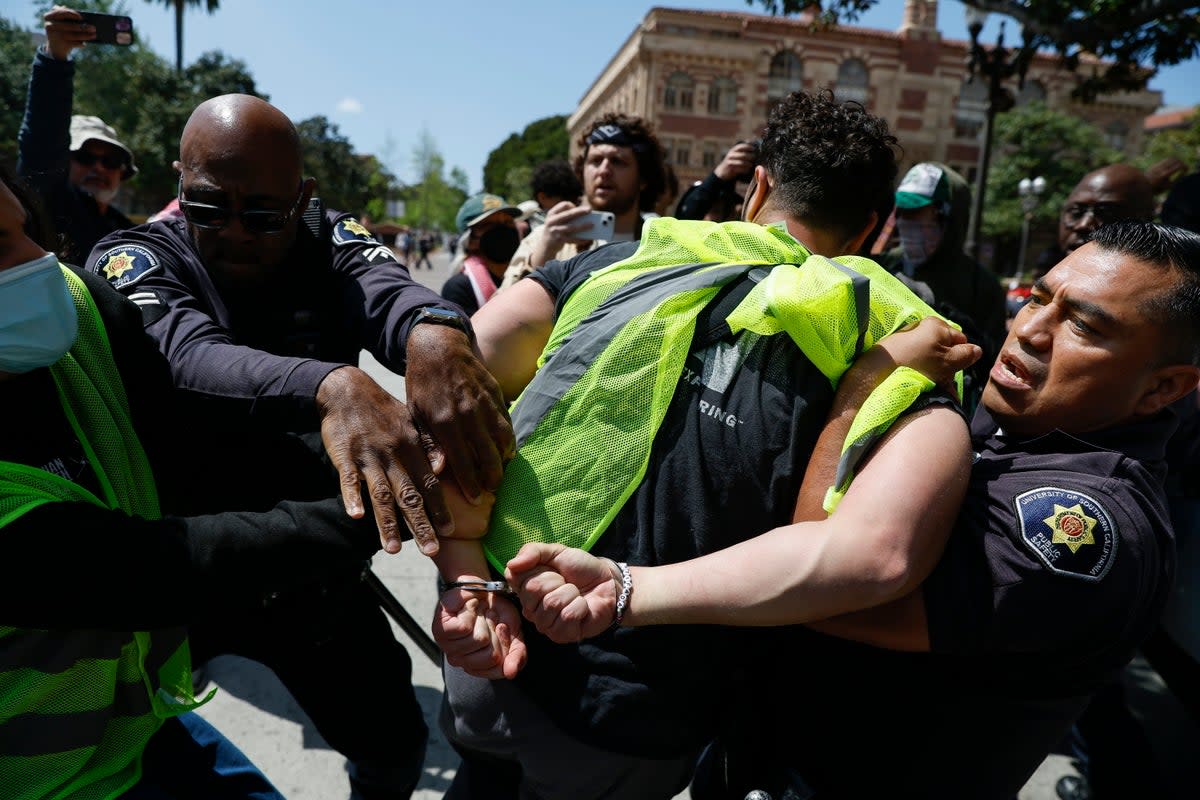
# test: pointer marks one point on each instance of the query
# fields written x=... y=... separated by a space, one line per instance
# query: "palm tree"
x=209 y=5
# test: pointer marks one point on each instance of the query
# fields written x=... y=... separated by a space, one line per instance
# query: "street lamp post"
x=994 y=67
x=1030 y=192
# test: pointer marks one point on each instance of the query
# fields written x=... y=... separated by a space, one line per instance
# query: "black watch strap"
x=443 y=316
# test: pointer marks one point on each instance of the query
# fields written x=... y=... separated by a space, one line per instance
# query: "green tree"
x=179 y=6
x=510 y=165
x=381 y=185
x=16 y=51
x=1130 y=34
x=432 y=201
x=1031 y=141
x=343 y=178
x=1181 y=143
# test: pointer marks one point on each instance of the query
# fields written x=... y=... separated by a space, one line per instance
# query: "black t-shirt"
x=457 y=289
x=725 y=466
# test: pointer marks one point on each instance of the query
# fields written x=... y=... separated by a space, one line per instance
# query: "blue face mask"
x=38 y=321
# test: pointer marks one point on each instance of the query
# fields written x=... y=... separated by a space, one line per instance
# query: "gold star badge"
x=355 y=228
x=118 y=264
x=1071 y=526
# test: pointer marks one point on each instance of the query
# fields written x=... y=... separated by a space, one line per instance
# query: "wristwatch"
x=443 y=316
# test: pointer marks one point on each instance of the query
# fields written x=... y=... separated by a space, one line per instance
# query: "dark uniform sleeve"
x=1058 y=567
x=381 y=296
x=185 y=316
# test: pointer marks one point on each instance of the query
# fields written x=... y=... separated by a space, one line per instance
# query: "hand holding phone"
x=596 y=225
x=110 y=28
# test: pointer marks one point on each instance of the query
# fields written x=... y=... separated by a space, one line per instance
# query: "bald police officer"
x=261 y=301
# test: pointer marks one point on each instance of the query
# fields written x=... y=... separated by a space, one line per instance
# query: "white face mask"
x=38 y=320
x=918 y=242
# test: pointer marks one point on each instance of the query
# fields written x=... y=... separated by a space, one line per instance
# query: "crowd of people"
x=713 y=494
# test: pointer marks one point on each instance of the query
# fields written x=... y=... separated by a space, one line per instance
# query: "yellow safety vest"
x=586 y=422
x=78 y=707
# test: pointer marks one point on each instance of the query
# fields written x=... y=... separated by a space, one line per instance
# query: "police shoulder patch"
x=126 y=264
x=348 y=231
x=1070 y=532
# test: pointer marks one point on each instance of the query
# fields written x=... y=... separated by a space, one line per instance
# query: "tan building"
x=707 y=78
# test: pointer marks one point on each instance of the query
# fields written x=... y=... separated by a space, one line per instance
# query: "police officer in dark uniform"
x=1057 y=568
x=261 y=301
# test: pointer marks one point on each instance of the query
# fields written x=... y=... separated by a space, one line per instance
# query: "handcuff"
x=500 y=587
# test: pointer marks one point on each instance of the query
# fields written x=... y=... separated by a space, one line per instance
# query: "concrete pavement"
x=254 y=710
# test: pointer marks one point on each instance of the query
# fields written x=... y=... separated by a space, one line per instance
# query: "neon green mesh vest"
x=78 y=707
x=586 y=422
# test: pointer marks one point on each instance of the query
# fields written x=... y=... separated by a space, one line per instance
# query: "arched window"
x=1116 y=134
x=678 y=91
x=1031 y=92
x=971 y=110
x=722 y=96
x=852 y=81
x=785 y=76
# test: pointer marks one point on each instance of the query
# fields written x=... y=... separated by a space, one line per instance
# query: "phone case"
x=110 y=29
x=601 y=226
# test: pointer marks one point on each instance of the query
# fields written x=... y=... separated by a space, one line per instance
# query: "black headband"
x=616 y=135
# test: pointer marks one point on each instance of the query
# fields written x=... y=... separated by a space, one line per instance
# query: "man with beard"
x=490 y=223
x=261 y=301
x=621 y=166
x=76 y=164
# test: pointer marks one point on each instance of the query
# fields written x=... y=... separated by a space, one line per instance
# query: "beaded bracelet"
x=626 y=590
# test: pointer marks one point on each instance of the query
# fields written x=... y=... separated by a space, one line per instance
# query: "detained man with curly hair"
x=620 y=163
x=673 y=413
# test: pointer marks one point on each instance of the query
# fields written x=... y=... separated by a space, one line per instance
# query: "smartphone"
x=599 y=225
x=110 y=28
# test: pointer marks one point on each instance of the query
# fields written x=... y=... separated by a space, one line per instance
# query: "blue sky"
x=470 y=72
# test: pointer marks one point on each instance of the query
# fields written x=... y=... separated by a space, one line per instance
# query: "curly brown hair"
x=830 y=163
x=649 y=158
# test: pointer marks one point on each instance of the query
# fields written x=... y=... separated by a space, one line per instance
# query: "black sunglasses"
x=86 y=159
x=1104 y=213
x=257 y=221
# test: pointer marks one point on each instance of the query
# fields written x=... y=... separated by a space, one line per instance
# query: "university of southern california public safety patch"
x=348 y=231
x=126 y=264
x=1068 y=531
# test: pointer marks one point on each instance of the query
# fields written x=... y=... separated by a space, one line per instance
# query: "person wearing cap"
x=620 y=165
x=489 y=228
x=76 y=163
x=262 y=301
x=933 y=204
